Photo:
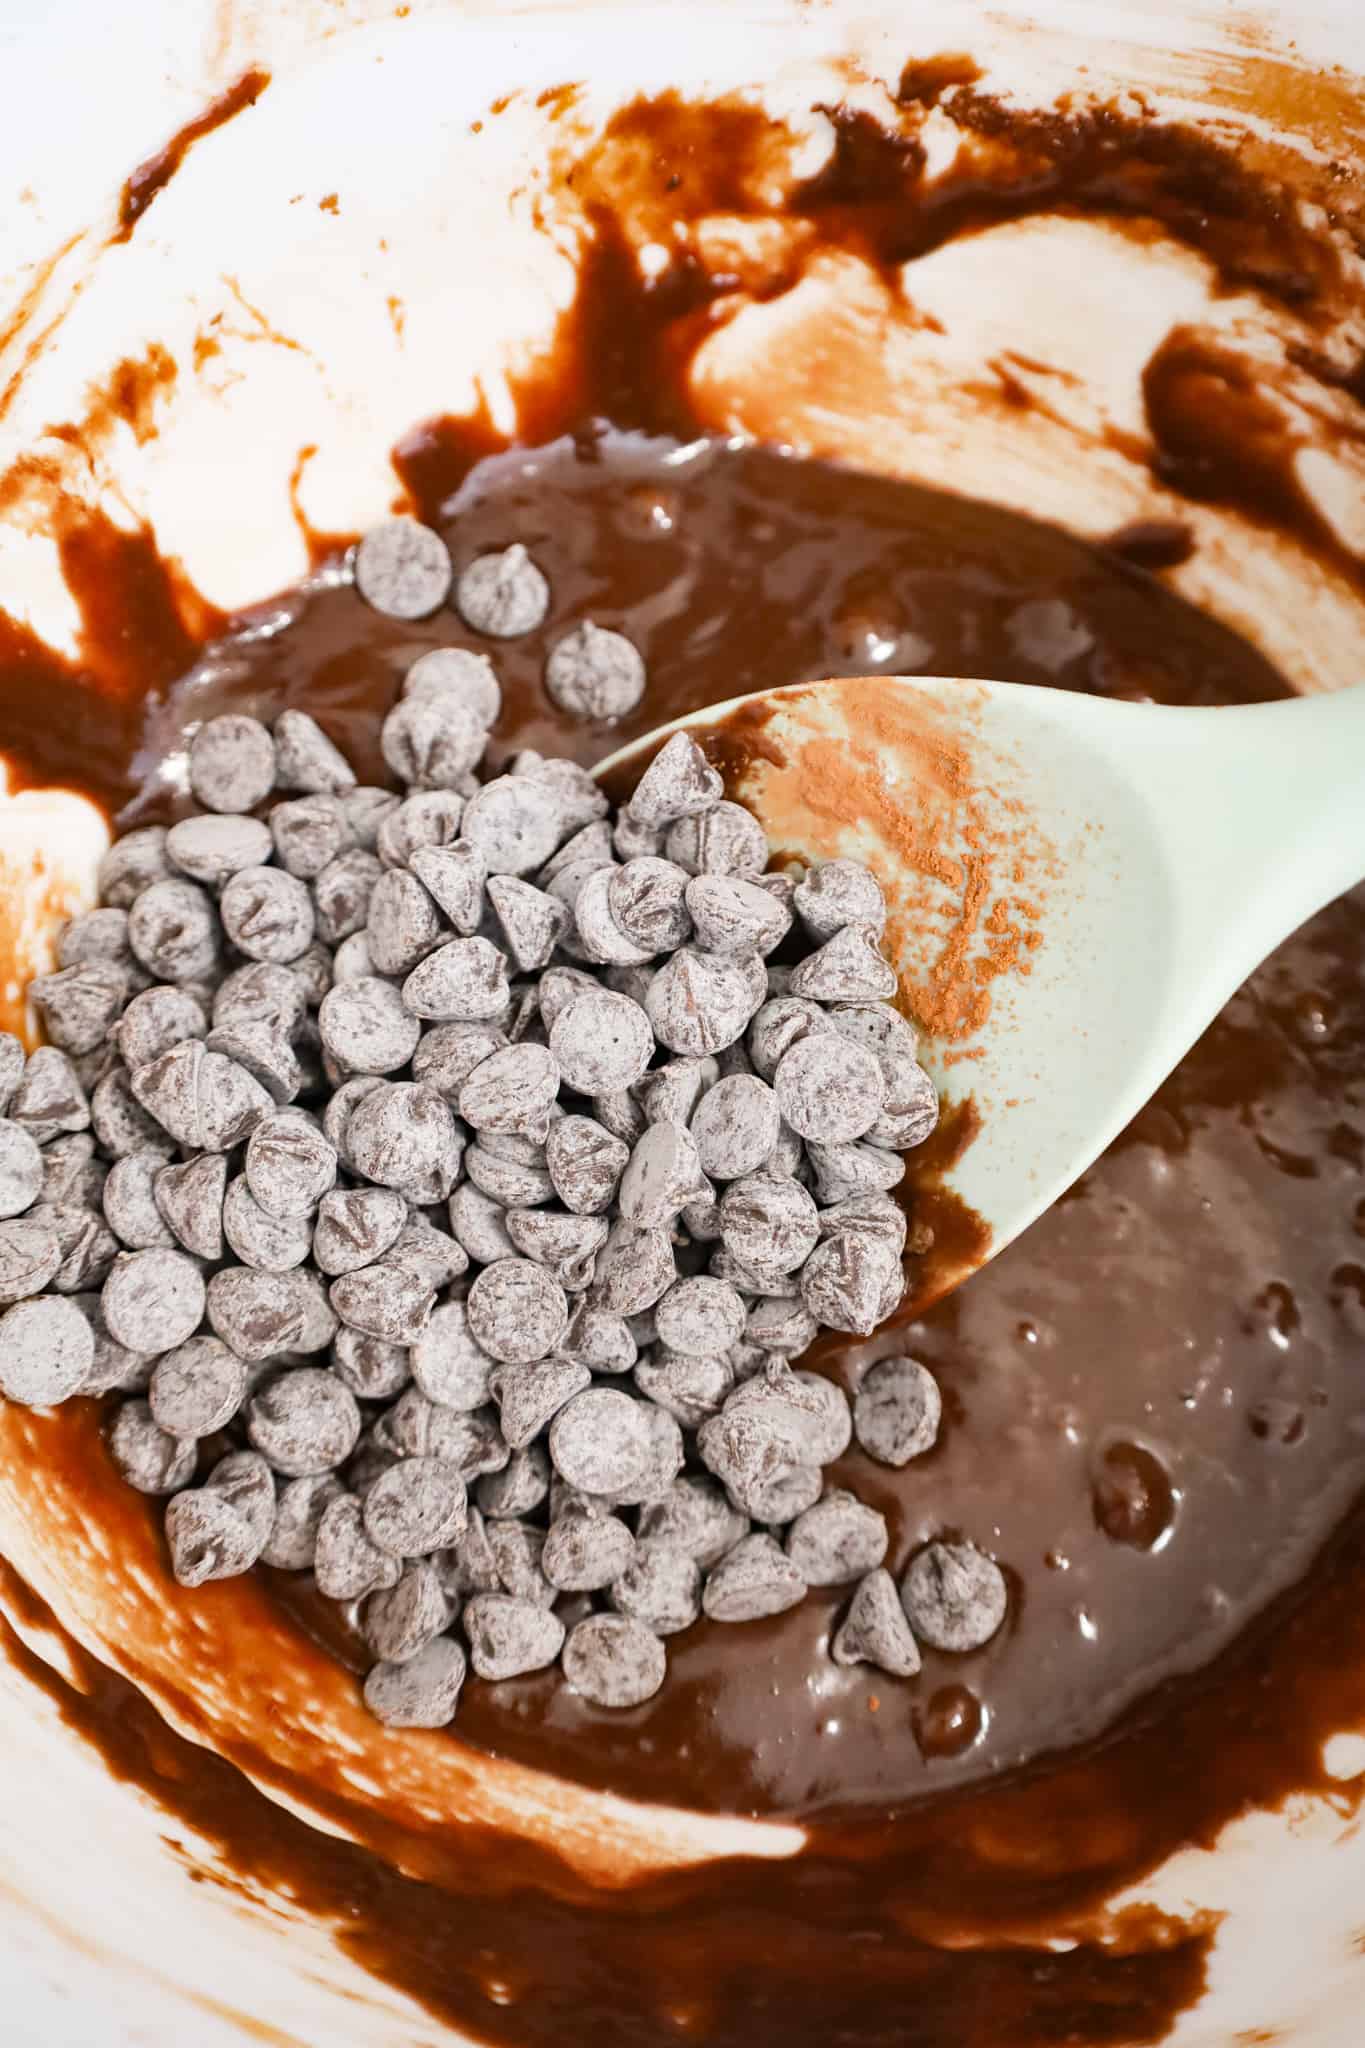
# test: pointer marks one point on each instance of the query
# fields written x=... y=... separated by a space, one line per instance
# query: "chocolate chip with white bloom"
x=849 y=968
x=417 y=1506
x=455 y=876
x=647 y=898
x=734 y=916
x=304 y=1421
x=848 y=1172
x=403 y=1136
x=399 y=1621
x=267 y=914
x=289 y=1165
x=700 y=1317
x=80 y=1004
x=342 y=892
x=599 y=1441
x=131 y=865
x=208 y=1537
x=614 y=1661
x=910 y=1114
x=515 y=824
x=897 y=1410
x=517 y=1311
x=698 y=1003
x=678 y=783
x=955 y=1597
x=875 y=1630
x=836 y=1541
x=509 y=1637
x=503 y=595
x=830 y=1088
x=299 y=1508
x=21 y=1169
x=593 y=673
x=521 y=1486
x=663 y=1175
x=585 y=1552
x=529 y=1395
x=448 y=1364
x=210 y=849
x=421 y=1692
x=736 y=1125
x=29 y=1256
x=602 y=1042
x=839 y=893
x=661 y=1587
x=725 y=840
x=403 y=569
x=347 y=1563
x=463 y=981
x=197 y=1388
x=689 y=1389
x=752 y=1581
x=512 y=1092
x=149 y=1458
x=600 y=1340
x=463 y=674
x=174 y=931
x=232 y=763
x=772 y=1223
x=635 y=1268
x=585 y=1163
x=388 y=1300
x=431 y=743
x=845 y=1280
x=696 y=1516
x=153 y=1300
x=365 y=1027
x=566 y=1245
x=274 y=1244
x=46 y=1350
x=190 y=1198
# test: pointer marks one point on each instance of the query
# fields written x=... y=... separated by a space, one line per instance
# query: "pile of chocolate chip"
x=448 y=1180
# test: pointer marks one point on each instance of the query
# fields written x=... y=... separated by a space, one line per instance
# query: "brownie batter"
x=1154 y=1412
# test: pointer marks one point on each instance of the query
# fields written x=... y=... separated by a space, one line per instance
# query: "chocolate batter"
x=1153 y=1400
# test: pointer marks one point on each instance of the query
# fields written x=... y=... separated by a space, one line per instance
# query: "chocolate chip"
x=699 y=1002
x=274 y=1244
x=752 y=1581
x=399 y=1621
x=508 y=1637
x=342 y=892
x=153 y=1300
x=299 y=1509
x=231 y=763
x=955 y=1597
x=79 y=1005
x=845 y=1280
x=593 y=673
x=566 y=1246
x=585 y=1552
x=190 y=1200
x=521 y=1487
x=678 y=783
x=403 y=1136
x=304 y=1421
x=602 y=1042
x=289 y=1165
x=839 y=893
x=614 y=1661
x=504 y=595
x=849 y=968
x=695 y=1516
x=416 y=1507
x=132 y=864
x=733 y=916
x=846 y=1172
x=431 y=742
x=469 y=677
x=306 y=759
x=29 y=1256
x=836 y=1541
x=700 y=1317
x=347 y=1563
x=403 y=569
x=772 y=1223
x=897 y=1410
x=736 y=1125
x=149 y=1458
x=689 y=1389
x=585 y=1164
x=448 y=1364
x=510 y=1183
x=464 y=981
x=455 y=876
x=267 y=914
x=600 y=1340
x=389 y=1300
x=599 y=1441
x=661 y=1587
x=258 y=1315
x=515 y=824
x=725 y=840
x=21 y=1169
x=210 y=849
x=875 y=1630
x=173 y=929
x=423 y=1691
x=532 y=922
x=46 y=1350
x=512 y=1092
x=517 y=1311
x=197 y=1388
x=830 y=1088
x=635 y=1268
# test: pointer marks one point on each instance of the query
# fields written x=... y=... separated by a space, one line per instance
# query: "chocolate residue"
x=153 y=176
x=1192 y=1311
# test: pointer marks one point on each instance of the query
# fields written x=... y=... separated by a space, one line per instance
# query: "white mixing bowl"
x=335 y=328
